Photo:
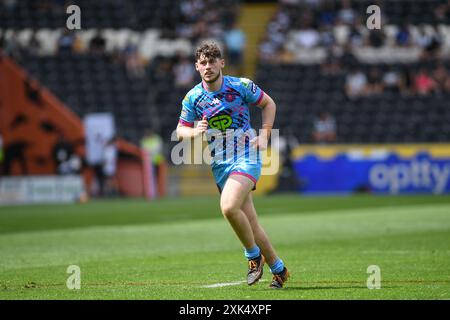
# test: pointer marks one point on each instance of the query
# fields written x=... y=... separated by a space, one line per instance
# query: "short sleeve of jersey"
x=251 y=92
x=187 y=116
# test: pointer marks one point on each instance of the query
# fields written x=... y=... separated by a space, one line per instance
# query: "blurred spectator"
x=441 y=78
x=234 y=40
x=203 y=19
x=442 y=12
x=327 y=14
x=184 y=72
x=429 y=41
x=34 y=45
x=422 y=38
x=376 y=38
x=307 y=37
x=97 y=44
x=324 y=128
x=95 y=159
x=268 y=51
x=346 y=56
x=403 y=36
x=153 y=145
x=374 y=81
x=392 y=81
x=66 y=42
x=327 y=39
x=110 y=167
x=276 y=35
x=423 y=83
x=356 y=83
x=346 y=14
x=62 y=153
x=282 y=19
x=13 y=48
x=133 y=62
x=433 y=47
x=407 y=82
x=355 y=37
x=333 y=64
x=191 y=10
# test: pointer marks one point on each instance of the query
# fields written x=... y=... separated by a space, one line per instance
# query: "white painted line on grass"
x=226 y=284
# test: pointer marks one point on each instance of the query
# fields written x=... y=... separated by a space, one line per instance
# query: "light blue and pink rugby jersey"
x=225 y=109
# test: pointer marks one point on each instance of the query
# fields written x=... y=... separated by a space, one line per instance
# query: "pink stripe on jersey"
x=245 y=175
x=185 y=123
x=260 y=97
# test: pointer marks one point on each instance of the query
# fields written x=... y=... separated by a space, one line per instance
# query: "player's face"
x=209 y=68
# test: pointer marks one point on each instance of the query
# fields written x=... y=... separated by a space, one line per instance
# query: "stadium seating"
x=93 y=83
x=302 y=92
x=89 y=83
x=136 y=14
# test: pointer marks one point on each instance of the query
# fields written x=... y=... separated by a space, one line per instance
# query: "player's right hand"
x=202 y=125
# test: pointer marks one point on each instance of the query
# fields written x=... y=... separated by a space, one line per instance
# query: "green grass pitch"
x=176 y=248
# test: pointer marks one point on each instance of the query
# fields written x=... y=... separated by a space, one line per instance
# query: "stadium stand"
x=134 y=14
x=91 y=83
x=304 y=62
x=311 y=48
x=302 y=92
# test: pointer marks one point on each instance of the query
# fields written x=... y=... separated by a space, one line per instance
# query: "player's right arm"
x=185 y=128
x=184 y=131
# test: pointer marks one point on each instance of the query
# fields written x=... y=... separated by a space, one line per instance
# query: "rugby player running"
x=222 y=103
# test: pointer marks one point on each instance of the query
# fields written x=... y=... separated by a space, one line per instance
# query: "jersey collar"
x=221 y=88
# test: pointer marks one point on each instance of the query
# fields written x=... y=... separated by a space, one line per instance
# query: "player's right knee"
x=229 y=210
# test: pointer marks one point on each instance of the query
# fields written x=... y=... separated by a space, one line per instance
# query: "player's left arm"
x=269 y=109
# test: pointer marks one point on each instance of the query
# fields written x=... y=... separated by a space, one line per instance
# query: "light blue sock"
x=277 y=267
x=252 y=253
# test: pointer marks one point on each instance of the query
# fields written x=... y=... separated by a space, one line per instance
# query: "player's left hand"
x=260 y=142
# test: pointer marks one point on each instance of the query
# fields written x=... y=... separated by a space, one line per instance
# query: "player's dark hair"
x=208 y=50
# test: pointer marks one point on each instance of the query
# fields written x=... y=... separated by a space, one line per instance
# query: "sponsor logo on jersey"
x=216 y=101
x=249 y=84
x=245 y=82
x=220 y=122
x=229 y=97
x=203 y=103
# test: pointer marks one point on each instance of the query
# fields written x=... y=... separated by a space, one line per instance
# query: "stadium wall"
x=392 y=169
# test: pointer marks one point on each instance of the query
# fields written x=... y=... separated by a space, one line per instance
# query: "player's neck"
x=213 y=86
